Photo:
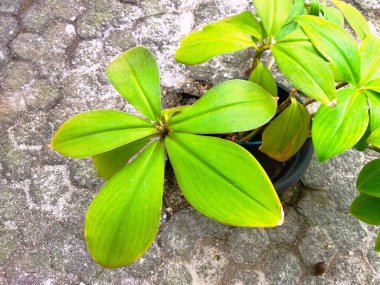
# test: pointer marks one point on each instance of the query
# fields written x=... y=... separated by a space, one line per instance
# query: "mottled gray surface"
x=52 y=59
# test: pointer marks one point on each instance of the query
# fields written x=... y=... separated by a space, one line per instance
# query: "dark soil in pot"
x=284 y=174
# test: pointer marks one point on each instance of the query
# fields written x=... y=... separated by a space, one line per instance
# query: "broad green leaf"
x=370 y=59
x=223 y=181
x=123 y=219
x=374 y=138
x=263 y=77
x=374 y=109
x=373 y=85
x=244 y=22
x=356 y=20
x=225 y=36
x=337 y=129
x=334 y=15
x=369 y=179
x=285 y=136
x=134 y=74
x=367 y=209
x=336 y=45
x=273 y=14
x=297 y=10
x=377 y=244
x=291 y=25
x=107 y=164
x=307 y=71
x=373 y=99
x=232 y=106
x=98 y=131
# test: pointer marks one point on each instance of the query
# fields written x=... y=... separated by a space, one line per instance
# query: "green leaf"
x=336 y=45
x=98 y=131
x=134 y=74
x=337 y=129
x=362 y=144
x=356 y=20
x=223 y=181
x=377 y=244
x=297 y=10
x=225 y=36
x=273 y=14
x=370 y=59
x=374 y=138
x=232 y=106
x=374 y=109
x=305 y=70
x=244 y=22
x=334 y=15
x=285 y=136
x=314 y=7
x=368 y=181
x=123 y=219
x=263 y=77
x=373 y=85
x=367 y=209
x=291 y=25
x=373 y=99
x=107 y=164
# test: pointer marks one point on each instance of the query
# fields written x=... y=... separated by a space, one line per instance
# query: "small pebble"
x=320 y=268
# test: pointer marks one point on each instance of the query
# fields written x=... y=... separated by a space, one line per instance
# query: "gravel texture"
x=53 y=56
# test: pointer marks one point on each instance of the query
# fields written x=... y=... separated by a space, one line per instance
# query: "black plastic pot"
x=283 y=174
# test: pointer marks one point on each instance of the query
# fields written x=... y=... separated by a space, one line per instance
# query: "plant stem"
x=371 y=147
x=255 y=47
x=250 y=135
x=340 y=85
x=293 y=92
x=259 y=51
x=270 y=64
x=310 y=101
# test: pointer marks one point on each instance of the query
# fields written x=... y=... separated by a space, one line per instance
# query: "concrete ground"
x=52 y=59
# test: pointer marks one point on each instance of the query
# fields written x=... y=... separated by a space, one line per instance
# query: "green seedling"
x=218 y=178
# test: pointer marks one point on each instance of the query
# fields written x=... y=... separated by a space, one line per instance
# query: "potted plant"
x=320 y=59
x=128 y=151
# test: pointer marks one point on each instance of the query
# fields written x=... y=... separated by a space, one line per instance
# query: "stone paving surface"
x=53 y=56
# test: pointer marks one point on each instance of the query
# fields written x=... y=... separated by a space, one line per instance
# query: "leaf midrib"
x=206 y=112
x=225 y=178
x=140 y=89
x=140 y=178
x=284 y=51
x=220 y=40
x=102 y=132
x=370 y=70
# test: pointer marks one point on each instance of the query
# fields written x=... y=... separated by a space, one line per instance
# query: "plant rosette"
x=215 y=175
x=319 y=58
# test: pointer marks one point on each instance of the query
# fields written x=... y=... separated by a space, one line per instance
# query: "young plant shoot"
x=219 y=178
x=318 y=57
